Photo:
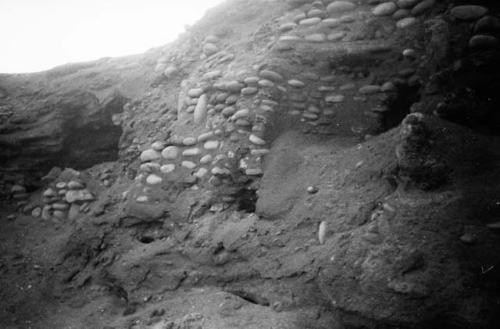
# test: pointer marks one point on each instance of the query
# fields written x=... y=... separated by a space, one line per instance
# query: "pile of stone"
x=210 y=46
x=66 y=200
x=320 y=23
x=485 y=27
x=19 y=194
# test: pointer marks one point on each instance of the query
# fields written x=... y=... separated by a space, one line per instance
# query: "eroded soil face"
x=283 y=164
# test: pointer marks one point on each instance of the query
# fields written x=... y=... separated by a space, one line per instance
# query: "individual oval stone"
x=406 y=72
x=338 y=7
x=387 y=87
x=316 y=37
x=189 y=141
x=271 y=75
x=37 y=212
x=359 y=98
x=60 y=206
x=218 y=107
x=75 y=185
x=401 y=13
x=243 y=113
x=142 y=199
x=266 y=108
x=334 y=98
x=287 y=38
x=385 y=9
x=254 y=172
x=200 y=111
x=316 y=12
x=296 y=83
x=78 y=195
x=310 y=116
x=347 y=19
x=299 y=17
x=188 y=164
x=410 y=53
x=231 y=100
x=210 y=49
x=269 y=102
x=422 y=7
x=191 y=152
x=329 y=112
x=251 y=80
x=313 y=109
x=228 y=111
x=281 y=88
x=407 y=3
x=336 y=36
x=487 y=24
x=259 y=152
x=310 y=21
x=264 y=83
x=149 y=155
x=46 y=210
x=327 y=78
x=221 y=98
x=154 y=179
x=157 y=146
x=200 y=173
x=205 y=136
x=49 y=193
x=347 y=86
x=167 y=168
x=212 y=75
x=170 y=71
x=287 y=27
x=468 y=12
x=160 y=67
x=242 y=123
x=369 y=89
x=406 y=22
x=331 y=22
x=195 y=92
x=256 y=140
x=60 y=185
x=310 y=76
x=212 y=39
x=170 y=152
x=59 y=214
x=249 y=91
x=482 y=41
x=326 y=88
x=149 y=166
x=206 y=159
x=220 y=171
x=211 y=145
x=233 y=86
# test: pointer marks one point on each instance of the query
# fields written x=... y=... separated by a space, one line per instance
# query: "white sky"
x=36 y=35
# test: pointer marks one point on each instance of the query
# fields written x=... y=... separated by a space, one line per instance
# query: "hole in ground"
x=399 y=106
x=149 y=232
x=91 y=140
x=146 y=239
x=247 y=199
